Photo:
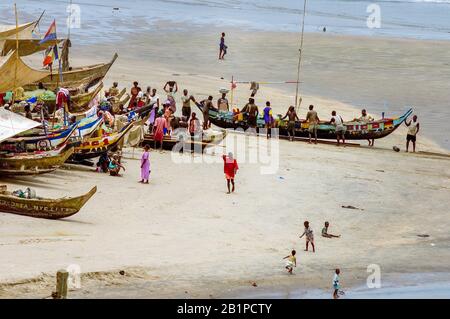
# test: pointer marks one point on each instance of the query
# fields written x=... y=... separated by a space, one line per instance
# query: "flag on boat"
x=51 y=33
x=51 y=54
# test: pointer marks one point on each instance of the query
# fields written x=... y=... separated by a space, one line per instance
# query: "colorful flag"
x=51 y=55
x=51 y=33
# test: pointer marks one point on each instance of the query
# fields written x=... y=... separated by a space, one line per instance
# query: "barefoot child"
x=291 y=261
x=309 y=236
x=145 y=165
x=115 y=166
x=230 y=169
x=326 y=234
x=336 y=285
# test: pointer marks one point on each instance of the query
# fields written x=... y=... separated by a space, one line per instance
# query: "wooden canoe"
x=95 y=146
x=42 y=207
x=35 y=163
x=354 y=130
x=86 y=76
x=181 y=141
x=79 y=102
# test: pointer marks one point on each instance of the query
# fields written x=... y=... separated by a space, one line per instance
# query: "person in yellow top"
x=291 y=261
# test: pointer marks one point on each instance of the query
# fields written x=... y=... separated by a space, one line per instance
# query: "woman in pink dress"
x=145 y=165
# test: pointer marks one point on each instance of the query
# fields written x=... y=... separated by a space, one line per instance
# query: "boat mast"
x=297 y=102
x=17 y=53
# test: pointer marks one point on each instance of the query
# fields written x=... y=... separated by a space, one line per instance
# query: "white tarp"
x=12 y=124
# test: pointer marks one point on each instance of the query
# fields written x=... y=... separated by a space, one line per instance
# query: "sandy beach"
x=182 y=236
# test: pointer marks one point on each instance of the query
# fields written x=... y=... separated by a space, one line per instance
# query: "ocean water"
x=109 y=19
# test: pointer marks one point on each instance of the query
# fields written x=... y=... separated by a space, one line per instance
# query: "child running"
x=291 y=261
x=145 y=165
x=309 y=236
x=230 y=169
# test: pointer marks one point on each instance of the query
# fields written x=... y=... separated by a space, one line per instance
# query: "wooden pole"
x=61 y=284
x=232 y=91
x=17 y=54
x=297 y=104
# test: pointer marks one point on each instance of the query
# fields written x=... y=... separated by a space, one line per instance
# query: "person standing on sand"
x=230 y=169
x=292 y=115
x=336 y=284
x=291 y=262
x=340 y=127
x=205 y=106
x=309 y=236
x=313 y=119
x=134 y=93
x=366 y=118
x=145 y=165
x=222 y=47
x=268 y=119
x=325 y=232
x=413 y=129
x=252 y=113
x=194 y=130
x=158 y=131
x=222 y=103
x=186 y=109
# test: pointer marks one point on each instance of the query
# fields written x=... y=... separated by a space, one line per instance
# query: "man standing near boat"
x=292 y=115
x=413 y=129
x=366 y=118
x=313 y=119
x=340 y=127
x=186 y=109
x=252 y=112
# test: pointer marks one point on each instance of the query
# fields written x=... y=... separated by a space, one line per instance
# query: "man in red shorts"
x=230 y=169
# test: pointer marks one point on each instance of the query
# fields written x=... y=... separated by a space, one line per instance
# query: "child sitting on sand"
x=326 y=234
x=115 y=166
x=309 y=236
x=291 y=261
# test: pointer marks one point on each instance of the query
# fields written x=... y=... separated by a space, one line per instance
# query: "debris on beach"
x=423 y=235
x=254 y=284
x=352 y=207
x=122 y=273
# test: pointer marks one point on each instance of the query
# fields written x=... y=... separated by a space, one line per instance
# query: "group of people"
x=291 y=260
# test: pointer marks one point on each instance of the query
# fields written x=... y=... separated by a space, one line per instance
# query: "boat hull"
x=87 y=77
x=34 y=164
x=44 y=208
x=354 y=130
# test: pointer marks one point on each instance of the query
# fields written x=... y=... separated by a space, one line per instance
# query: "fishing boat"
x=43 y=207
x=181 y=141
x=39 y=140
x=354 y=130
x=87 y=76
x=95 y=146
x=78 y=102
x=34 y=163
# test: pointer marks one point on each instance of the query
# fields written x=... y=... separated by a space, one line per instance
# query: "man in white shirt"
x=340 y=127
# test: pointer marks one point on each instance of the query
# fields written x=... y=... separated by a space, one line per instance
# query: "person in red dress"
x=230 y=169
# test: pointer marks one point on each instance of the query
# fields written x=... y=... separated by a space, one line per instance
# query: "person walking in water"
x=309 y=236
x=230 y=169
x=413 y=129
x=145 y=165
x=222 y=48
x=337 y=285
